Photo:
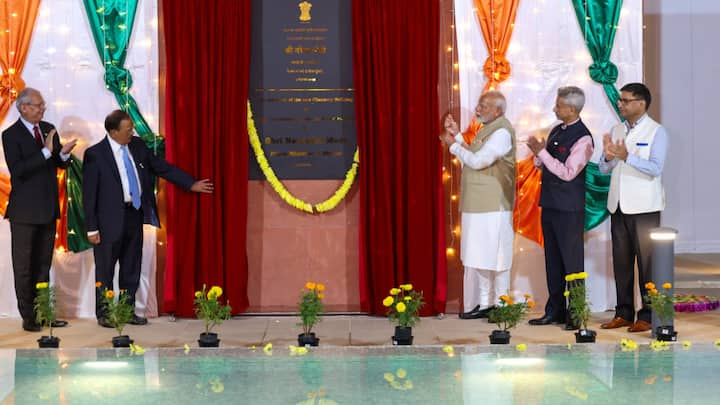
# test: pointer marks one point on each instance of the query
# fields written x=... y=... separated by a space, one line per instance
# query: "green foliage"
x=404 y=305
x=508 y=313
x=310 y=305
x=118 y=310
x=209 y=308
x=660 y=302
x=45 y=305
x=578 y=305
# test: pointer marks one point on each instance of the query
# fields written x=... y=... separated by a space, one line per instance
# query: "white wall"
x=682 y=66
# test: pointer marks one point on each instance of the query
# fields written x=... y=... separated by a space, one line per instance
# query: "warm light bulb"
x=450 y=251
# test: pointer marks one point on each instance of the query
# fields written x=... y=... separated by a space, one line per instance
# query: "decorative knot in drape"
x=497 y=69
x=604 y=72
x=11 y=85
x=117 y=79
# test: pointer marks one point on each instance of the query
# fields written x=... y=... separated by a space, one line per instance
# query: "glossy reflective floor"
x=549 y=374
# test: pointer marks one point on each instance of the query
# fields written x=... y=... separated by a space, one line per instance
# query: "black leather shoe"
x=572 y=326
x=31 y=326
x=138 y=320
x=105 y=323
x=59 y=323
x=470 y=314
x=545 y=320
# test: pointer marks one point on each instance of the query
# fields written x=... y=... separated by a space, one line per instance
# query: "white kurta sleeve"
x=496 y=146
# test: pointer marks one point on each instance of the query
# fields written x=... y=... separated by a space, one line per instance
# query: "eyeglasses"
x=628 y=100
x=38 y=105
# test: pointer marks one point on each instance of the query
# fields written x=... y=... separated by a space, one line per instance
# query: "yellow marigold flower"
x=98 y=284
x=531 y=304
x=566 y=293
x=649 y=285
x=110 y=294
x=394 y=291
x=407 y=298
x=388 y=301
x=321 y=295
x=521 y=347
x=667 y=286
x=448 y=349
x=401 y=373
x=504 y=298
x=581 y=276
x=406 y=287
x=653 y=292
x=527 y=296
x=389 y=377
x=215 y=292
x=198 y=294
x=570 y=277
x=310 y=285
x=400 y=307
x=41 y=286
x=320 y=287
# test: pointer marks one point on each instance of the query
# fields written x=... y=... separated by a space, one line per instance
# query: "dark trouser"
x=631 y=240
x=564 y=254
x=32 y=252
x=128 y=250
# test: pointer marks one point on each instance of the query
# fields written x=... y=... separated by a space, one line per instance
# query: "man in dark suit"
x=118 y=198
x=33 y=153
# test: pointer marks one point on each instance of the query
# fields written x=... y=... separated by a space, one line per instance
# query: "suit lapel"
x=106 y=151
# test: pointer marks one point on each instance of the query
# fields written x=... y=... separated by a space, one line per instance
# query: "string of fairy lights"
x=451 y=166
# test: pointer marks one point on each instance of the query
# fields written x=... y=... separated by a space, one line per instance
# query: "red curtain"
x=208 y=67
x=402 y=227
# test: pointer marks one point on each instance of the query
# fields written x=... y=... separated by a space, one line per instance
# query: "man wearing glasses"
x=33 y=154
x=634 y=152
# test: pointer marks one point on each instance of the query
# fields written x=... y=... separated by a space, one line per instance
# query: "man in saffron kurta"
x=635 y=155
x=563 y=158
x=487 y=197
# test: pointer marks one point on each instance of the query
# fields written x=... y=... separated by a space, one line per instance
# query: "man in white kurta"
x=486 y=202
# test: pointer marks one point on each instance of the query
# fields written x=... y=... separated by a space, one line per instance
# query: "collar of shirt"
x=114 y=145
x=629 y=127
x=30 y=126
x=564 y=126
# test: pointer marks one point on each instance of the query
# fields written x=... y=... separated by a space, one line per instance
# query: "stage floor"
x=696 y=274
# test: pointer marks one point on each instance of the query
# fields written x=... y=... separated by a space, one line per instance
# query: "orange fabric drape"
x=526 y=214
x=497 y=19
x=4 y=193
x=61 y=224
x=17 y=20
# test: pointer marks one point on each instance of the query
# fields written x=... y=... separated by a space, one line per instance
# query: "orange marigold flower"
x=310 y=285
x=527 y=296
x=653 y=291
x=320 y=287
x=649 y=285
x=667 y=286
x=504 y=298
x=511 y=302
x=98 y=284
x=110 y=294
x=531 y=304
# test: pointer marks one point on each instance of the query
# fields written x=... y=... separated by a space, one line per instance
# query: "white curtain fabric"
x=547 y=51
x=64 y=65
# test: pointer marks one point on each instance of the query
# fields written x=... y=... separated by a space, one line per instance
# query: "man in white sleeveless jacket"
x=635 y=153
x=487 y=197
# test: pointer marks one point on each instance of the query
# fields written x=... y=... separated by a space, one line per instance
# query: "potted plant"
x=403 y=306
x=45 y=314
x=118 y=312
x=310 y=307
x=209 y=308
x=506 y=316
x=662 y=304
x=579 y=307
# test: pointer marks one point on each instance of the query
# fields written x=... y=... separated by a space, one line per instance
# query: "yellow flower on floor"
x=388 y=301
x=41 y=286
x=268 y=348
x=187 y=348
x=448 y=349
x=521 y=347
x=400 y=307
x=401 y=373
x=667 y=286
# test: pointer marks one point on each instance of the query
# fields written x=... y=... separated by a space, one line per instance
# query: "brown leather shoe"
x=616 y=322
x=640 y=326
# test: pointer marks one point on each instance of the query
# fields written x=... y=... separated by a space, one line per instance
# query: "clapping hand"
x=451 y=127
x=607 y=147
x=536 y=145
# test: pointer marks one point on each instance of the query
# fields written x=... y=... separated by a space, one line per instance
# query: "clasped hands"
x=536 y=145
x=614 y=149
x=451 y=128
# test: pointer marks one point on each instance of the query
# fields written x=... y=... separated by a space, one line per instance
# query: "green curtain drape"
x=111 y=23
x=598 y=20
x=76 y=236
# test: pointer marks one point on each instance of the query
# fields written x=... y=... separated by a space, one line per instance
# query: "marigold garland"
x=280 y=189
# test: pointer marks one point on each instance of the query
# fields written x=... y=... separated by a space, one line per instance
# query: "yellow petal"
x=187 y=348
x=521 y=347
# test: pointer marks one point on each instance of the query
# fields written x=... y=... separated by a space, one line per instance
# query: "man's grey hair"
x=498 y=99
x=573 y=96
x=25 y=97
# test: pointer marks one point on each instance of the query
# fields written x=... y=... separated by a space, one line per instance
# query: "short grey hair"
x=573 y=96
x=24 y=97
x=498 y=99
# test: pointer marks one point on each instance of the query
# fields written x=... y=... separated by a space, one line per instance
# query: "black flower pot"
x=585 y=336
x=48 y=342
x=122 y=341
x=403 y=336
x=666 y=334
x=308 y=339
x=500 y=337
x=209 y=339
